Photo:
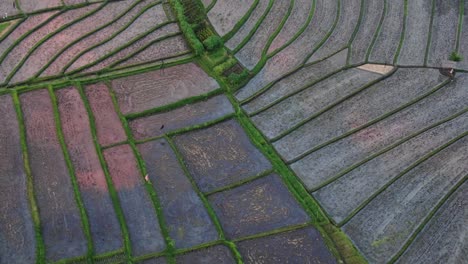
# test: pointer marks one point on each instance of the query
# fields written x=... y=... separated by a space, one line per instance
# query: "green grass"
x=4 y=26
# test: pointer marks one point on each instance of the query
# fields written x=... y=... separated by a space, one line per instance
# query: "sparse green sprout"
x=213 y=42
x=455 y=56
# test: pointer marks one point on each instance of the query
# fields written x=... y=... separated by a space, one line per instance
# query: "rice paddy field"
x=243 y=131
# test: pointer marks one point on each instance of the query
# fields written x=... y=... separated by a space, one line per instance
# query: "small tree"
x=213 y=42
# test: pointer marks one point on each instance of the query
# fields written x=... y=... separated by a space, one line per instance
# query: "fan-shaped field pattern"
x=125 y=170
x=89 y=38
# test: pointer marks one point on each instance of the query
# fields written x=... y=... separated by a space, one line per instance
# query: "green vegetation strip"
x=429 y=38
x=40 y=247
x=403 y=32
x=356 y=30
x=71 y=171
x=379 y=29
x=112 y=190
x=460 y=24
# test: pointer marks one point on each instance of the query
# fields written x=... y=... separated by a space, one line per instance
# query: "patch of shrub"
x=213 y=42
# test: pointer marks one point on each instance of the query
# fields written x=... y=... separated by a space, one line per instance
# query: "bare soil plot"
x=385 y=224
x=18 y=242
x=133 y=47
x=138 y=210
x=339 y=39
x=377 y=68
x=362 y=182
x=157 y=88
x=117 y=9
x=444 y=32
x=9 y=8
x=295 y=109
x=105 y=228
x=387 y=42
x=293 y=55
x=158 y=51
x=226 y=13
x=61 y=225
x=298 y=246
x=216 y=254
x=249 y=25
x=296 y=21
x=220 y=155
x=383 y=97
x=418 y=22
x=142 y=25
x=108 y=126
x=356 y=147
x=188 y=115
x=185 y=215
x=29 y=6
x=259 y=206
x=444 y=238
x=370 y=21
x=50 y=48
x=290 y=83
x=251 y=53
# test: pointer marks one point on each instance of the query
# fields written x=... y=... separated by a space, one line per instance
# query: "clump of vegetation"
x=238 y=78
x=455 y=56
x=213 y=42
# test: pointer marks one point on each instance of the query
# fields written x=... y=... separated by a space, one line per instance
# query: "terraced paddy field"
x=215 y=131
